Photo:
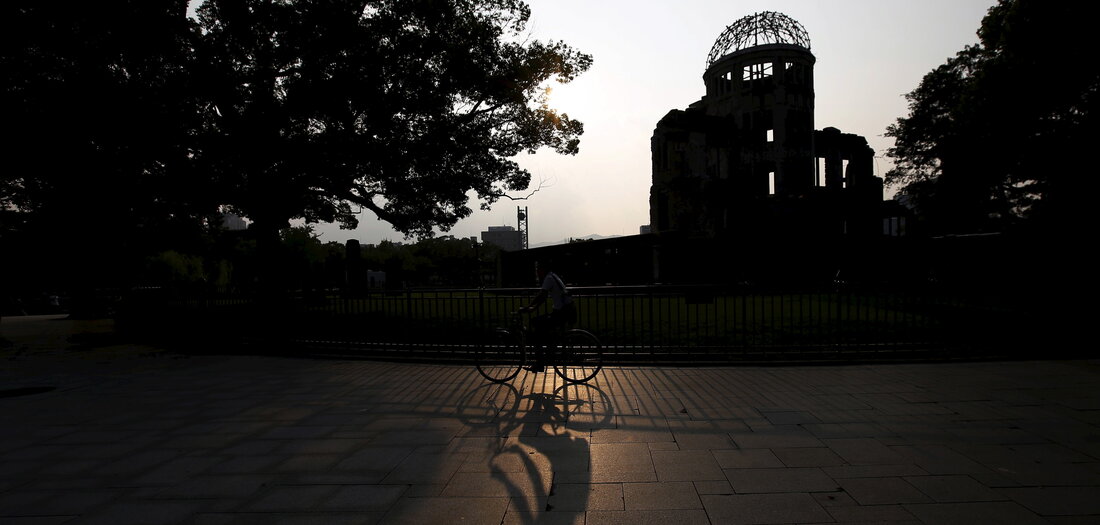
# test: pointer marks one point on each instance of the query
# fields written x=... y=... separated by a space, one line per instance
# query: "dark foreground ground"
x=97 y=431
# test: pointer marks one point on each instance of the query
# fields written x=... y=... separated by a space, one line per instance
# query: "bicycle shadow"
x=534 y=444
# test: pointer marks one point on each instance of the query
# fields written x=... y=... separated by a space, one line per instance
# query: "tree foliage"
x=438 y=261
x=399 y=107
x=99 y=107
x=995 y=137
x=138 y=123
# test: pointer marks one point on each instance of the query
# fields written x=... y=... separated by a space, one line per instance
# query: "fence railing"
x=637 y=323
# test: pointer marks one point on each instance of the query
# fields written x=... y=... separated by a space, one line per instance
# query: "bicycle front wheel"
x=580 y=356
x=500 y=357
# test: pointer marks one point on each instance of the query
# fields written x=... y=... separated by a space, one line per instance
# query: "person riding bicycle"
x=564 y=313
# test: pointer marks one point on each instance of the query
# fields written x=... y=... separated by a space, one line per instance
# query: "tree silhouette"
x=995 y=138
x=99 y=108
x=398 y=107
x=135 y=125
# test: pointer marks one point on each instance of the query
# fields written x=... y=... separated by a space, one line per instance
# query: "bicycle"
x=576 y=357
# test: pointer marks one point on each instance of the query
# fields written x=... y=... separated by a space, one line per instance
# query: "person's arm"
x=539 y=299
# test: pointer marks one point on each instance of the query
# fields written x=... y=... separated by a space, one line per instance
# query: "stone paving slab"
x=124 y=434
x=797 y=507
x=661 y=496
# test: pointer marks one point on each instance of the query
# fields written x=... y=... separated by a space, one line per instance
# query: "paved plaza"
x=113 y=433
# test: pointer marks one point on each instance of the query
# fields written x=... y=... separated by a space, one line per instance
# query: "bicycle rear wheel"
x=500 y=357
x=580 y=356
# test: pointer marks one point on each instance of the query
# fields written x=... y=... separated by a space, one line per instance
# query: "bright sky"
x=649 y=57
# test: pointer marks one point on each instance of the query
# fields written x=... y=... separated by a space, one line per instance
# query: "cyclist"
x=564 y=313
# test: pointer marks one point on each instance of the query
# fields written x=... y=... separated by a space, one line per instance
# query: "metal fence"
x=636 y=323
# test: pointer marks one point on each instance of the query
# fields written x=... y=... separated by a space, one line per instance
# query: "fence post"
x=347 y=300
x=408 y=305
x=481 y=311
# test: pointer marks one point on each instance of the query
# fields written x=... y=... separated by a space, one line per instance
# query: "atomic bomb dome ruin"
x=746 y=159
x=744 y=189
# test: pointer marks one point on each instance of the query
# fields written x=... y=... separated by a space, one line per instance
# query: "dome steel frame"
x=767 y=27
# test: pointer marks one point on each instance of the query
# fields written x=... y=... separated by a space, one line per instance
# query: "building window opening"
x=819 y=176
x=893 y=226
x=755 y=71
x=771 y=135
x=725 y=82
x=771 y=183
x=793 y=73
x=844 y=174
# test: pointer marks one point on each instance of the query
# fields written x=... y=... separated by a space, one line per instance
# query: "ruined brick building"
x=745 y=159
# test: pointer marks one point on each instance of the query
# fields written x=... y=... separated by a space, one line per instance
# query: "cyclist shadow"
x=541 y=456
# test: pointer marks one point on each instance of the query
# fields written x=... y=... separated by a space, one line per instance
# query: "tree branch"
x=542 y=184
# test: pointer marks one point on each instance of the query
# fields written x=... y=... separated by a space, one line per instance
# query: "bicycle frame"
x=580 y=357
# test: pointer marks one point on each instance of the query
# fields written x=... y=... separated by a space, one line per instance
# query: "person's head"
x=542 y=267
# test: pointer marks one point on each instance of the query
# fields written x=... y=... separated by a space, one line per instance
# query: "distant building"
x=376 y=280
x=506 y=238
x=644 y=229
